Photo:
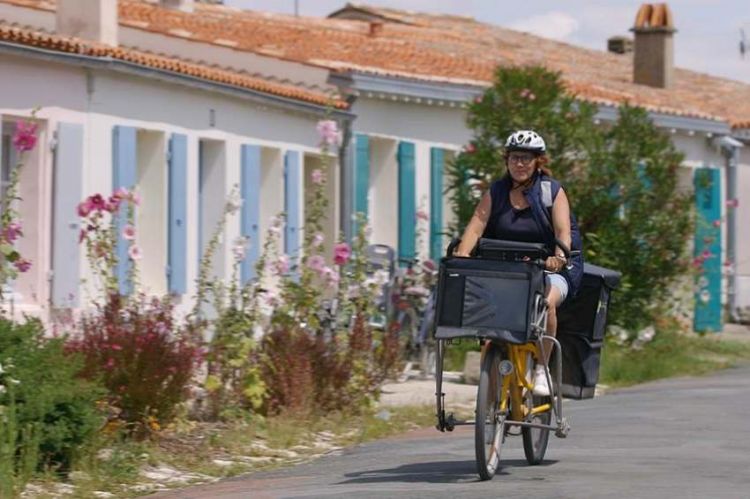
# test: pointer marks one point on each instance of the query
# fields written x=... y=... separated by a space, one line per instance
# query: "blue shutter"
x=123 y=175
x=68 y=187
x=177 y=244
x=250 y=188
x=707 y=237
x=437 y=162
x=362 y=174
x=407 y=201
x=292 y=200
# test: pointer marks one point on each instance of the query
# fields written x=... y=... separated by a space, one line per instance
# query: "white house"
x=407 y=77
x=184 y=135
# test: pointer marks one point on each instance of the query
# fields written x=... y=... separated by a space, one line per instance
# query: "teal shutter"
x=708 y=238
x=68 y=187
x=407 y=201
x=362 y=175
x=292 y=200
x=123 y=175
x=177 y=235
x=250 y=189
x=437 y=164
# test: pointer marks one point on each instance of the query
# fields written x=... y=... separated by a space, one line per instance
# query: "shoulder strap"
x=547 y=193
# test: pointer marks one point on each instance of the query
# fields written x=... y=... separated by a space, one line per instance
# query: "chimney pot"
x=653 y=61
x=94 y=20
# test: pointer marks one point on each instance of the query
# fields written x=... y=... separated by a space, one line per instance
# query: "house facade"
x=402 y=81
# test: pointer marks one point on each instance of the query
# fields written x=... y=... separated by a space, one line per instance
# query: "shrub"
x=621 y=179
x=55 y=412
x=143 y=358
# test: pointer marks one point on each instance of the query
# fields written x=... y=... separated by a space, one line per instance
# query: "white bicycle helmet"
x=525 y=140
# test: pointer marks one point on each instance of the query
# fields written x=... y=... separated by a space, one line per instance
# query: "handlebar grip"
x=452 y=246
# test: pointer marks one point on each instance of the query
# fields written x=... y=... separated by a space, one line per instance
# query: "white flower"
x=14 y=381
x=705 y=296
x=2 y=389
x=234 y=202
x=1 y=369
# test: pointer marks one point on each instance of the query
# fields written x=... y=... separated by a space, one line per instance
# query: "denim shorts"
x=557 y=281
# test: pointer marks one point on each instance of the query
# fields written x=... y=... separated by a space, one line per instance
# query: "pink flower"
x=422 y=215
x=135 y=198
x=22 y=265
x=134 y=252
x=317 y=240
x=316 y=263
x=525 y=93
x=330 y=275
x=717 y=223
x=317 y=176
x=471 y=148
x=708 y=240
x=115 y=347
x=329 y=132
x=706 y=254
x=281 y=266
x=24 y=138
x=341 y=253
x=13 y=231
x=85 y=207
x=728 y=263
x=697 y=262
x=128 y=232
x=110 y=363
x=733 y=203
x=240 y=248
x=121 y=193
x=478 y=100
x=97 y=202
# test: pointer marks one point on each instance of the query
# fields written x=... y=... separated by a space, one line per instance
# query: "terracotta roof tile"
x=76 y=46
x=441 y=48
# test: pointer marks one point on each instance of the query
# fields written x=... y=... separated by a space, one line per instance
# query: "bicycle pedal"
x=563 y=429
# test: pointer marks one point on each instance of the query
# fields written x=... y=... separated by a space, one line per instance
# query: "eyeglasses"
x=521 y=158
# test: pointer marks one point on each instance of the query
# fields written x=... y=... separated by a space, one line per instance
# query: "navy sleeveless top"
x=510 y=224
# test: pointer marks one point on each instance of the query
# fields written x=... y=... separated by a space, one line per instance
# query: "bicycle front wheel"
x=490 y=424
x=535 y=440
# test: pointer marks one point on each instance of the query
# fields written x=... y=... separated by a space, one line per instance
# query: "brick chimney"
x=94 y=20
x=653 y=62
x=183 y=5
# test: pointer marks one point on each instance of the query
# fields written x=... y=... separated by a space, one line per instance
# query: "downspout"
x=346 y=178
x=731 y=149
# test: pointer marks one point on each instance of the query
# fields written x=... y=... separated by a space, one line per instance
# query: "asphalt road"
x=682 y=438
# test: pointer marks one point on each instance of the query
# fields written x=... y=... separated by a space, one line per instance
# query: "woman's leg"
x=554 y=298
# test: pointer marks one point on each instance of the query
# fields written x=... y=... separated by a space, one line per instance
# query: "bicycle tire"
x=489 y=425
x=535 y=440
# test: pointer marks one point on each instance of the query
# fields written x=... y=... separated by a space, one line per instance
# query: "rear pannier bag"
x=484 y=298
x=581 y=324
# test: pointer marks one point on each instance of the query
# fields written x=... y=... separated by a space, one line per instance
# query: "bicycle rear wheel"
x=490 y=424
x=535 y=440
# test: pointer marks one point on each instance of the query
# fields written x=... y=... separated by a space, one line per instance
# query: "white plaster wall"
x=443 y=126
x=151 y=216
x=383 y=191
x=698 y=149
x=271 y=188
x=423 y=174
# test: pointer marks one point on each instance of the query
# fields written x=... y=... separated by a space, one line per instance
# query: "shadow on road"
x=434 y=472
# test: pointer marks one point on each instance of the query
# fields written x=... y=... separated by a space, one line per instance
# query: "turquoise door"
x=707 y=183
x=407 y=202
x=437 y=162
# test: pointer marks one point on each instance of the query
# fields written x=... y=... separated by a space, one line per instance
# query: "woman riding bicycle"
x=527 y=205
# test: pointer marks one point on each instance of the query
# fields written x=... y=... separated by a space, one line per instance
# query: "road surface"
x=680 y=438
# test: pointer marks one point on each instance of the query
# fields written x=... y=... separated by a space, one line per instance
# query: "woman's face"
x=521 y=165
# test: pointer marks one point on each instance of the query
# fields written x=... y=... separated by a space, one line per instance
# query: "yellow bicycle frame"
x=515 y=384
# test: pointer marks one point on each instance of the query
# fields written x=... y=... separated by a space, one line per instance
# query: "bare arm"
x=476 y=226
x=561 y=224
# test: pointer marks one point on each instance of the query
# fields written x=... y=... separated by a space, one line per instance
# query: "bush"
x=621 y=180
x=143 y=358
x=61 y=408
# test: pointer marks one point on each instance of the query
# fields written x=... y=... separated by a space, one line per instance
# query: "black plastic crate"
x=581 y=325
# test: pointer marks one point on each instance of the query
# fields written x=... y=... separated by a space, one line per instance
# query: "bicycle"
x=510 y=350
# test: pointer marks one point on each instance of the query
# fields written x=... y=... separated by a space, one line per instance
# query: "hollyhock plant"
x=22 y=265
x=134 y=252
x=24 y=138
x=341 y=254
x=13 y=231
x=281 y=266
x=329 y=133
x=317 y=240
x=733 y=203
x=717 y=223
x=317 y=176
x=128 y=232
x=316 y=263
x=423 y=215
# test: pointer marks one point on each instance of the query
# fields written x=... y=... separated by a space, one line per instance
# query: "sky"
x=707 y=38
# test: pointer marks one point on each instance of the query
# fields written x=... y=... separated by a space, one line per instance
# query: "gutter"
x=125 y=67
